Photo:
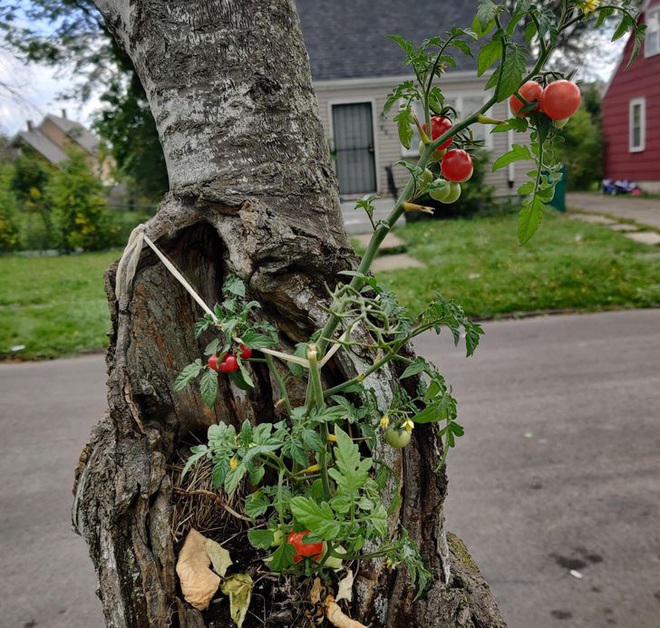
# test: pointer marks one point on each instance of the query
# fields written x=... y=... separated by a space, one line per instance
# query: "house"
x=355 y=65
x=55 y=136
x=631 y=110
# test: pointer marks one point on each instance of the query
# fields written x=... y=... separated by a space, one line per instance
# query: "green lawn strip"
x=55 y=306
x=567 y=265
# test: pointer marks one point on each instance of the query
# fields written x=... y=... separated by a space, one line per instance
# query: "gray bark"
x=253 y=193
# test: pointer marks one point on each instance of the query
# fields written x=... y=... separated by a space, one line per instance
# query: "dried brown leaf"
x=239 y=589
x=198 y=583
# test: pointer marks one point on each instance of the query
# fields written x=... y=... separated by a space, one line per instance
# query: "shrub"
x=9 y=231
x=81 y=218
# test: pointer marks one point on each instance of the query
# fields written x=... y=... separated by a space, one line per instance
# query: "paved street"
x=558 y=472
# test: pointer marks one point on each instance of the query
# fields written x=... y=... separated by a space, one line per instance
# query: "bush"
x=9 y=229
x=81 y=219
x=582 y=153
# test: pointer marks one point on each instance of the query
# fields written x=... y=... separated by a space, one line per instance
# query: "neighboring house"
x=55 y=135
x=631 y=110
x=355 y=65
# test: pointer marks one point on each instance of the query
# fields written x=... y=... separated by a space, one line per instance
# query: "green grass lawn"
x=55 y=306
x=568 y=264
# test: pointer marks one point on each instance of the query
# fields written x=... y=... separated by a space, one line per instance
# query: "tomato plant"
x=456 y=165
x=531 y=92
x=560 y=99
x=397 y=437
x=303 y=549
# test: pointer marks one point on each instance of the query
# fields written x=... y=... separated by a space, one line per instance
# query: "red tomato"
x=229 y=364
x=313 y=550
x=456 y=165
x=213 y=362
x=246 y=352
x=530 y=91
x=439 y=126
x=560 y=99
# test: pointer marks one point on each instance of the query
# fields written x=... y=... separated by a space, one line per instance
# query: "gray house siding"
x=464 y=90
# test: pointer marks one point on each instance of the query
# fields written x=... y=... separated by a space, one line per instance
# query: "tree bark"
x=252 y=193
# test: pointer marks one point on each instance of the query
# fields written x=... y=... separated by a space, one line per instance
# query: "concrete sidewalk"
x=622 y=208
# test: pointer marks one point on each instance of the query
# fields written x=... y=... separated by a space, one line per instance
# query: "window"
x=464 y=105
x=652 y=39
x=637 y=125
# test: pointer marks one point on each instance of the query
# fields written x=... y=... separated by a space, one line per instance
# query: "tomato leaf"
x=512 y=72
x=261 y=539
x=319 y=518
x=529 y=218
x=208 y=387
x=189 y=373
x=404 y=123
x=517 y=153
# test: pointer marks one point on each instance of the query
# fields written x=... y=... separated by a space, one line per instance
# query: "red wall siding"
x=641 y=80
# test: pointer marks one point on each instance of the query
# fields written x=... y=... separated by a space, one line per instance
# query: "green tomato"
x=427 y=177
x=278 y=537
x=397 y=437
x=561 y=123
x=454 y=193
x=439 y=190
x=332 y=562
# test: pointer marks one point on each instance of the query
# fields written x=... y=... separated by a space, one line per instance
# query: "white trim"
x=391 y=81
x=356 y=101
x=642 y=125
x=655 y=11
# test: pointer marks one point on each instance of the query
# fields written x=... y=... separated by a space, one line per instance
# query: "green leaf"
x=234 y=477
x=261 y=539
x=208 y=387
x=517 y=153
x=234 y=286
x=488 y=55
x=198 y=452
x=236 y=378
x=347 y=453
x=404 y=123
x=512 y=72
x=212 y=347
x=418 y=366
x=529 y=218
x=319 y=518
x=246 y=375
x=256 y=504
x=282 y=557
x=623 y=28
x=189 y=373
x=486 y=13
x=254 y=340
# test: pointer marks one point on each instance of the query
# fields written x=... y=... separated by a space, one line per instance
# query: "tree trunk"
x=252 y=193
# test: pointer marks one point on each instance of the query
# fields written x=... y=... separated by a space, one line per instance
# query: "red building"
x=631 y=110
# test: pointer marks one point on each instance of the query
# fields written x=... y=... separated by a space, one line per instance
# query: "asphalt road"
x=559 y=472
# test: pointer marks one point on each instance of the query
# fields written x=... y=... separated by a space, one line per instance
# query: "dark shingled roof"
x=347 y=39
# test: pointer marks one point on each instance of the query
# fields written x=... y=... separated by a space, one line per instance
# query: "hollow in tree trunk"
x=252 y=194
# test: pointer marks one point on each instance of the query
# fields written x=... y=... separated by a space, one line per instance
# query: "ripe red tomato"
x=530 y=91
x=213 y=362
x=246 y=352
x=313 y=550
x=229 y=364
x=439 y=126
x=560 y=99
x=456 y=165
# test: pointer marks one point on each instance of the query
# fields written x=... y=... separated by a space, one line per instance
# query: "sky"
x=34 y=92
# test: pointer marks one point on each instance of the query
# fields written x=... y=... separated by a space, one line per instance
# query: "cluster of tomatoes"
x=227 y=363
x=455 y=164
x=559 y=100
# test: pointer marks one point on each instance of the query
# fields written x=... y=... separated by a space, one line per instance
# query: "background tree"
x=71 y=36
x=80 y=215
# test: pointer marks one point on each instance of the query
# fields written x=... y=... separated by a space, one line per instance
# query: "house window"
x=652 y=39
x=464 y=106
x=637 y=125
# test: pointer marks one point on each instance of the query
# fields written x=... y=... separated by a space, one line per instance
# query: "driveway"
x=641 y=210
x=554 y=487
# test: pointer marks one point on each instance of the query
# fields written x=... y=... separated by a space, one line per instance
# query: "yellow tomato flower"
x=408 y=425
x=589 y=6
x=233 y=463
x=384 y=422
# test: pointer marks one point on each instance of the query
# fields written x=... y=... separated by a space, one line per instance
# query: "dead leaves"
x=331 y=609
x=199 y=583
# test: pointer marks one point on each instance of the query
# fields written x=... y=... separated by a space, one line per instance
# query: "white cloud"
x=31 y=92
